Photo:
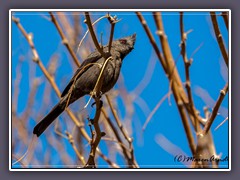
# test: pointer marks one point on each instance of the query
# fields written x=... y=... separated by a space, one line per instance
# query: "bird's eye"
x=123 y=41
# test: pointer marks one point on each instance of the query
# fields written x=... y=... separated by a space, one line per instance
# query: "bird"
x=84 y=80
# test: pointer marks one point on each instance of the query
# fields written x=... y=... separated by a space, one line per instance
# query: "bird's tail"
x=47 y=120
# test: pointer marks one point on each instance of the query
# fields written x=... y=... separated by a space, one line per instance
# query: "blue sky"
x=208 y=72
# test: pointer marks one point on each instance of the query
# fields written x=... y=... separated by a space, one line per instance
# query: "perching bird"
x=84 y=79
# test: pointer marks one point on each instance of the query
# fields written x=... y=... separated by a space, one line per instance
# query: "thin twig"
x=187 y=65
x=119 y=140
x=112 y=21
x=105 y=158
x=124 y=132
x=94 y=38
x=88 y=31
x=222 y=94
x=95 y=141
x=221 y=124
x=155 y=109
x=122 y=129
x=64 y=39
x=152 y=41
x=219 y=37
x=225 y=18
x=79 y=155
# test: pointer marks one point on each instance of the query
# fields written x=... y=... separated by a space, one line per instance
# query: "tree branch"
x=225 y=18
x=49 y=78
x=187 y=65
x=219 y=37
x=64 y=39
x=221 y=96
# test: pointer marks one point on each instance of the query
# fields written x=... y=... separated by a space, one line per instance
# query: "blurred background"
x=142 y=97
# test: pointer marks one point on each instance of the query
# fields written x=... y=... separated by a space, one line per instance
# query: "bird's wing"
x=92 y=58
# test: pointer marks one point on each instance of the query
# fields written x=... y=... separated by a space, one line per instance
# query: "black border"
x=4 y=104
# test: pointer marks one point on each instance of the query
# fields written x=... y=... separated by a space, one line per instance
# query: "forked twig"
x=221 y=96
x=79 y=45
x=187 y=64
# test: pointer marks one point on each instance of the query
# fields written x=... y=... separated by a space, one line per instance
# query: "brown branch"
x=111 y=139
x=152 y=41
x=94 y=38
x=170 y=65
x=225 y=18
x=174 y=78
x=95 y=141
x=124 y=132
x=170 y=70
x=64 y=23
x=64 y=39
x=96 y=93
x=219 y=37
x=119 y=140
x=88 y=31
x=107 y=160
x=221 y=96
x=186 y=126
x=112 y=21
x=79 y=155
x=187 y=64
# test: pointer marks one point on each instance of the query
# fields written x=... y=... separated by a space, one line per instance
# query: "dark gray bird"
x=85 y=78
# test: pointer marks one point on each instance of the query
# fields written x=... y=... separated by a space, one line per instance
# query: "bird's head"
x=124 y=45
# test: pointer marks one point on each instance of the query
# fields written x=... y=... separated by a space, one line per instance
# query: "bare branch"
x=88 y=31
x=122 y=129
x=64 y=39
x=94 y=38
x=96 y=93
x=112 y=21
x=174 y=78
x=223 y=92
x=152 y=41
x=119 y=140
x=95 y=141
x=79 y=155
x=225 y=18
x=219 y=37
x=155 y=109
x=187 y=64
